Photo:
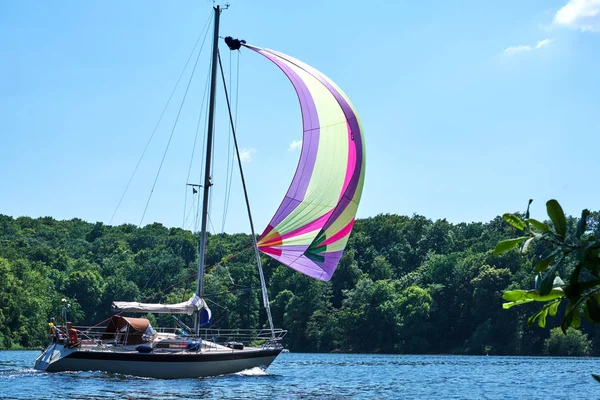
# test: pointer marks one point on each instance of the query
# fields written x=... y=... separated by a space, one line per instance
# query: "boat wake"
x=17 y=373
x=256 y=371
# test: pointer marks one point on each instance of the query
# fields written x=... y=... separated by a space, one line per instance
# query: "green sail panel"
x=311 y=227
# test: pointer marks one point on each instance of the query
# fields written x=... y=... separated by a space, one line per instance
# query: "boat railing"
x=252 y=337
x=248 y=337
x=85 y=333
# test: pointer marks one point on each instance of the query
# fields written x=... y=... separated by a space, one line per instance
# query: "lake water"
x=332 y=376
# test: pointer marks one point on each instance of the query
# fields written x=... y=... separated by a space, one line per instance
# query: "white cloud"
x=246 y=155
x=544 y=43
x=511 y=51
x=295 y=145
x=580 y=14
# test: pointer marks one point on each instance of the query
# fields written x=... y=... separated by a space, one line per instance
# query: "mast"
x=207 y=169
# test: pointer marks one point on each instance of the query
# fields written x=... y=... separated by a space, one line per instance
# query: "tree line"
x=404 y=285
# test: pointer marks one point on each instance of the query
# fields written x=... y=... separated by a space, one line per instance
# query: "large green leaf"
x=506 y=306
x=515 y=221
x=509 y=244
x=572 y=315
x=567 y=320
x=556 y=214
x=555 y=293
x=518 y=297
x=528 y=205
x=540 y=316
x=543 y=265
x=542 y=319
x=582 y=223
x=592 y=309
x=537 y=283
x=526 y=245
x=514 y=295
x=576 y=323
x=548 y=280
x=574 y=279
x=540 y=226
x=553 y=309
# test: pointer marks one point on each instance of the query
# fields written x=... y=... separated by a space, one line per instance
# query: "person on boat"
x=72 y=339
x=53 y=332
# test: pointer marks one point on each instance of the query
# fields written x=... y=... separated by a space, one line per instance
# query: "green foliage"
x=579 y=252
x=509 y=244
x=572 y=343
x=557 y=216
x=404 y=285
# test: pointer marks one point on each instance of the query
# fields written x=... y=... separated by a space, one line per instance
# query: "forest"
x=404 y=285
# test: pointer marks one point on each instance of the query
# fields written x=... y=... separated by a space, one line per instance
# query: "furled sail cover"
x=310 y=229
x=187 y=307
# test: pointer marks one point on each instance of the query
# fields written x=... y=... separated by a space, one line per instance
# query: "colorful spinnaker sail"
x=310 y=229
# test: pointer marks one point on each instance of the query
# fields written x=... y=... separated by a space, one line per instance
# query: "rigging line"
x=263 y=284
x=190 y=212
x=227 y=192
x=165 y=154
x=211 y=224
x=208 y=212
x=217 y=304
x=237 y=87
x=230 y=177
x=159 y=119
x=176 y=284
x=212 y=170
x=224 y=260
x=205 y=93
x=172 y=132
x=150 y=277
x=211 y=329
x=229 y=276
x=237 y=91
x=227 y=180
x=230 y=174
x=227 y=186
x=202 y=157
x=246 y=289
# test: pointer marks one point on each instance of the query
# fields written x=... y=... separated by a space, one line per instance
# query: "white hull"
x=57 y=358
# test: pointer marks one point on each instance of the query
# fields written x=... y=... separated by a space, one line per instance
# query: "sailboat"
x=307 y=233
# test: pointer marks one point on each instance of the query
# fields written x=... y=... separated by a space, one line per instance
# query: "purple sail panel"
x=322 y=270
x=356 y=136
x=310 y=229
x=310 y=140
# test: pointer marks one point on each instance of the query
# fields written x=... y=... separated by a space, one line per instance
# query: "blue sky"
x=470 y=108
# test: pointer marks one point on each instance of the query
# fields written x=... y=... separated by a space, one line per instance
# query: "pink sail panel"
x=311 y=227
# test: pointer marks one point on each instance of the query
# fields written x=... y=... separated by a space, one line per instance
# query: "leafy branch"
x=580 y=294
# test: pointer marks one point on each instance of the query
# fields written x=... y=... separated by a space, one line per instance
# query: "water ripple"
x=318 y=376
